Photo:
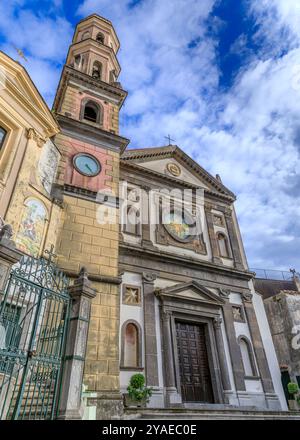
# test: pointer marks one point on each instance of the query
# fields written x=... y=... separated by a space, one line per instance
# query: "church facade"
x=156 y=234
x=187 y=297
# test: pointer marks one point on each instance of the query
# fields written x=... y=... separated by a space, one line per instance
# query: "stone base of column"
x=173 y=398
x=109 y=405
x=273 y=402
x=230 y=398
x=157 y=399
x=252 y=399
x=70 y=415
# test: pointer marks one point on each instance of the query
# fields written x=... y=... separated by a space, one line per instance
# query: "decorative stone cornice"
x=174 y=180
x=82 y=286
x=168 y=257
x=88 y=133
x=175 y=152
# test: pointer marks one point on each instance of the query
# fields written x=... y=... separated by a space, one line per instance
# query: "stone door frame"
x=211 y=348
x=206 y=309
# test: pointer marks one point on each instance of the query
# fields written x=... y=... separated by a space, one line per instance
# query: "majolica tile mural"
x=31 y=231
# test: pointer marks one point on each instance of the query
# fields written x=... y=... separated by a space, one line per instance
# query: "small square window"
x=131 y=295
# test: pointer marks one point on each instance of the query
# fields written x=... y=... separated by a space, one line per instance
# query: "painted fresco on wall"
x=30 y=235
x=48 y=164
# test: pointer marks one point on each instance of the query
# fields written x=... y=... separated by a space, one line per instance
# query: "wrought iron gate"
x=33 y=321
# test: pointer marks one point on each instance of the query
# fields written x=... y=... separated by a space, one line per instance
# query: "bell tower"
x=89 y=90
x=87 y=105
x=94 y=50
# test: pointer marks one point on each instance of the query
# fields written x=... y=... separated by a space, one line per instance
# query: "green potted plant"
x=138 y=394
x=293 y=390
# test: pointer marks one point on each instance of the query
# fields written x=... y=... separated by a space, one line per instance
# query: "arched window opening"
x=223 y=245
x=91 y=112
x=100 y=38
x=85 y=36
x=77 y=61
x=97 y=70
x=131 y=346
x=132 y=221
x=3 y=134
x=247 y=357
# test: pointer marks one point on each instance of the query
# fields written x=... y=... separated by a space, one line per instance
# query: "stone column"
x=172 y=396
x=237 y=256
x=234 y=348
x=81 y=294
x=212 y=236
x=221 y=354
x=259 y=350
x=9 y=255
x=151 y=366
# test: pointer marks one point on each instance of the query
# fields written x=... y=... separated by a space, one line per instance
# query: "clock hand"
x=89 y=168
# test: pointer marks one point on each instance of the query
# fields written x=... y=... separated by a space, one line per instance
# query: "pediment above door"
x=191 y=291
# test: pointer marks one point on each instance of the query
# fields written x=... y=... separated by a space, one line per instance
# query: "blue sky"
x=221 y=76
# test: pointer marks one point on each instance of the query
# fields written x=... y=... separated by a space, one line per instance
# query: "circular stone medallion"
x=173 y=169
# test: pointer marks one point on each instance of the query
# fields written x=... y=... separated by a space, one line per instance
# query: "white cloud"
x=43 y=39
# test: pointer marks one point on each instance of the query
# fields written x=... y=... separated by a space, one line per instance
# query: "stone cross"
x=169 y=139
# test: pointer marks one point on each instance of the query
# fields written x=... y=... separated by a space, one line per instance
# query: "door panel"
x=193 y=363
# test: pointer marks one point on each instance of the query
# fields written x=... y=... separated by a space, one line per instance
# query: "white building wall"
x=268 y=345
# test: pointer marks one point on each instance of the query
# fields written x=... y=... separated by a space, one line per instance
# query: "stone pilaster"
x=81 y=294
x=151 y=366
x=234 y=349
x=237 y=256
x=212 y=236
x=172 y=397
x=221 y=354
x=259 y=350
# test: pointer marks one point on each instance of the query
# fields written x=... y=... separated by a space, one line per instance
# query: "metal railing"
x=271 y=274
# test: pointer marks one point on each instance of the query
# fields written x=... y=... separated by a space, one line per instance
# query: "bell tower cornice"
x=100 y=23
x=91 y=45
x=111 y=92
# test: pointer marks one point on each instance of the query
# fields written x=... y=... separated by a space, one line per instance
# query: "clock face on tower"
x=86 y=164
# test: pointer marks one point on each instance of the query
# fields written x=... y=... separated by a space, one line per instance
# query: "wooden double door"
x=194 y=369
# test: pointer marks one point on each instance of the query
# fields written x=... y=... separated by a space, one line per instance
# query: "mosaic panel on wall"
x=31 y=231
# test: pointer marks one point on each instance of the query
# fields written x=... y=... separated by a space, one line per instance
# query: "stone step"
x=205 y=414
